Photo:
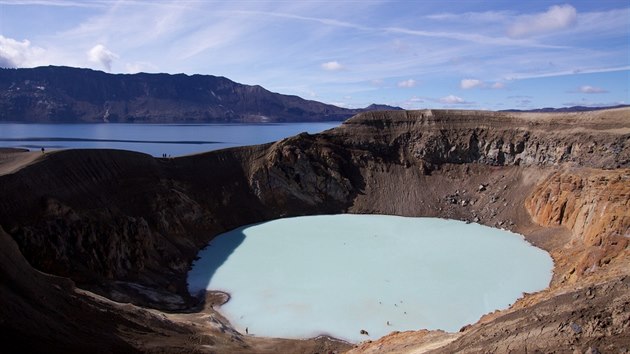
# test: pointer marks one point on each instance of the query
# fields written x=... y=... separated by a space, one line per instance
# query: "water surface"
x=339 y=274
x=153 y=139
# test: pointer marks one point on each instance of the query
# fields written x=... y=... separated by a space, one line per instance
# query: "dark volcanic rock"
x=39 y=312
x=62 y=94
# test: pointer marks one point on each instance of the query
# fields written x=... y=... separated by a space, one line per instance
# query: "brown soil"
x=118 y=230
x=12 y=160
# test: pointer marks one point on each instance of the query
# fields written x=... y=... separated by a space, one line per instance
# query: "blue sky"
x=415 y=54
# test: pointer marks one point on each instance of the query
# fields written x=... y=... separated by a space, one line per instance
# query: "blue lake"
x=153 y=139
x=338 y=274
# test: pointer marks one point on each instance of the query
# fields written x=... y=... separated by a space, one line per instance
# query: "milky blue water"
x=153 y=139
x=338 y=274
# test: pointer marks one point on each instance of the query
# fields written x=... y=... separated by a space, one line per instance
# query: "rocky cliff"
x=127 y=226
x=71 y=95
x=595 y=206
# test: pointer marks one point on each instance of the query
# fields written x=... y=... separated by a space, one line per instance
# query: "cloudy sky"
x=465 y=54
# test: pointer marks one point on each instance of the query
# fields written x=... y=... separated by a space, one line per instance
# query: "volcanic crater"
x=96 y=244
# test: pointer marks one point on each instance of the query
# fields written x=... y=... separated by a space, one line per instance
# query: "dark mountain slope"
x=70 y=95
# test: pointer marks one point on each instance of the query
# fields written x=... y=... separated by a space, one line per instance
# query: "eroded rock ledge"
x=127 y=226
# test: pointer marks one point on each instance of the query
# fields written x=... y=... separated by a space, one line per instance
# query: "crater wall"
x=127 y=226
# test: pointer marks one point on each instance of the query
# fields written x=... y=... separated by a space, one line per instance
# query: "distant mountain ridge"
x=55 y=94
x=565 y=109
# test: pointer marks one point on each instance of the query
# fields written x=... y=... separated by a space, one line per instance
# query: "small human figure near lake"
x=43 y=150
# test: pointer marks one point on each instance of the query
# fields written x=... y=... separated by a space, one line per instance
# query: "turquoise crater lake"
x=339 y=274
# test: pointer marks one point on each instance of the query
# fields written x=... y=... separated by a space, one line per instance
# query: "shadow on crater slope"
x=216 y=253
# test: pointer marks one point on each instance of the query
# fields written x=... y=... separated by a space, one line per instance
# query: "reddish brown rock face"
x=594 y=205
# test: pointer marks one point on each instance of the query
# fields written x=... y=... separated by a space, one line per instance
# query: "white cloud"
x=407 y=83
x=556 y=18
x=16 y=54
x=473 y=38
x=213 y=37
x=477 y=17
x=332 y=66
x=470 y=83
x=56 y=3
x=101 y=55
x=140 y=66
x=452 y=99
x=591 y=89
x=377 y=82
x=566 y=72
x=414 y=102
x=597 y=24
